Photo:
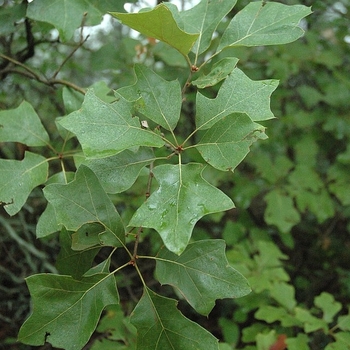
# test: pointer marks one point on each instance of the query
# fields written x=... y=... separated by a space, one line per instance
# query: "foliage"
x=143 y=173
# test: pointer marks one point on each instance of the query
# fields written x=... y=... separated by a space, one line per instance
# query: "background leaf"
x=160 y=24
x=120 y=131
x=227 y=142
x=280 y=211
x=22 y=124
x=161 y=99
x=161 y=326
x=204 y=19
x=261 y=24
x=183 y=197
x=75 y=308
x=240 y=94
x=66 y=15
x=19 y=178
x=201 y=274
x=84 y=201
x=119 y=172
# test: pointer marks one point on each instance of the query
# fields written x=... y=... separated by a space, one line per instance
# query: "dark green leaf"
x=22 y=124
x=160 y=24
x=202 y=274
x=19 y=178
x=119 y=172
x=161 y=99
x=160 y=326
x=84 y=201
x=239 y=94
x=227 y=142
x=66 y=311
x=183 y=197
x=261 y=24
x=114 y=121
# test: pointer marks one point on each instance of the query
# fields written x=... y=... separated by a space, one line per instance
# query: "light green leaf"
x=218 y=72
x=227 y=142
x=271 y=314
x=161 y=99
x=161 y=325
x=120 y=131
x=201 y=274
x=280 y=211
x=300 y=342
x=19 y=178
x=72 y=262
x=119 y=172
x=269 y=23
x=66 y=311
x=328 y=305
x=238 y=94
x=84 y=201
x=160 y=24
x=203 y=19
x=22 y=124
x=310 y=322
x=183 y=197
x=284 y=294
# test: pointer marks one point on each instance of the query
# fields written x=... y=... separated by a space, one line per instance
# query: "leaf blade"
x=160 y=24
x=84 y=201
x=76 y=307
x=228 y=141
x=22 y=124
x=202 y=274
x=161 y=99
x=19 y=178
x=183 y=197
x=240 y=94
x=113 y=121
x=204 y=19
x=264 y=24
x=161 y=326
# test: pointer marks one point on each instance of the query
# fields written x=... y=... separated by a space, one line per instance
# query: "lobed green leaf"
x=183 y=197
x=118 y=173
x=114 y=121
x=204 y=19
x=201 y=274
x=66 y=311
x=227 y=142
x=238 y=94
x=23 y=125
x=84 y=201
x=19 y=178
x=160 y=99
x=159 y=23
x=264 y=23
x=161 y=325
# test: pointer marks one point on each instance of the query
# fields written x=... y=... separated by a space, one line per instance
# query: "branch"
x=80 y=44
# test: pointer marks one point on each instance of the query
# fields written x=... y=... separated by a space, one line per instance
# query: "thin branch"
x=80 y=44
x=20 y=64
